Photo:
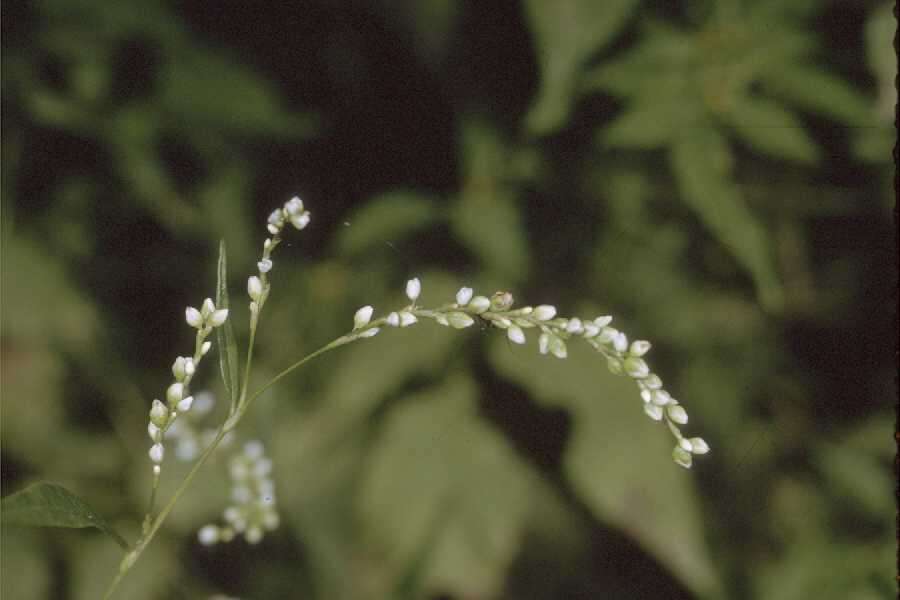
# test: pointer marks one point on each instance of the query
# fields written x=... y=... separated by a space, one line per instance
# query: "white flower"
x=590 y=329
x=153 y=431
x=174 y=393
x=265 y=265
x=603 y=321
x=515 y=334
x=276 y=218
x=463 y=296
x=204 y=348
x=558 y=347
x=699 y=445
x=479 y=304
x=254 y=287
x=218 y=317
x=178 y=369
x=193 y=317
x=653 y=381
x=686 y=444
x=407 y=318
x=543 y=343
x=156 y=453
x=369 y=332
x=294 y=206
x=459 y=320
x=413 y=288
x=207 y=308
x=661 y=398
x=189 y=367
x=393 y=320
x=653 y=411
x=620 y=342
x=544 y=312
x=677 y=414
x=574 y=326
x=636 y=367
x=362 y=317
x=184 y=404
x=639 y=348
x=208 y=535
x=646 y=395
x=300 y=221
x=159 y=413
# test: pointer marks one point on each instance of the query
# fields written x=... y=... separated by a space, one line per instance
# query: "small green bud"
x=501 y=301
x=682 y=457
x=174 y=393
x=614 y=365
x=636 y=367
x=178 y=369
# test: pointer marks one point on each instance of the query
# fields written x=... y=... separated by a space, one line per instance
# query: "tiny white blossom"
x=590 y=329
x=178 y=369
x=254 y=287
x=184 y=404
x=515 y=334
x=362 y=317
x=218 y=317
x=205 y=348
x=159 y=413
x=189 y=367
x=653 y=381
x=208 y=308
x=686 y=444
x=543 y=343
x=300 y=221
x=208 y=535
x=413 y=288
x=174 y=393
x=636 y=367
x=677 y=414
x=653 y=411
x=369 y=332
x=699 y=445
x=265 y=265
x=607 y=334
x=480 y=304
x=156 y=453
x=620 y=342
x=544 y=312
x=407 y=319
x=682 y=457
x=661 y=398
x=442 y=320
x=254 y=535
x=459 y=320
x=646 y=395
x=463 y=296
x=193 y=317
x=574 y=325
x=614 y=365
x=294 y=206
x=273 y=229
x=639 y=348
x=153 y=431
x=393 y=320
x=603 y=321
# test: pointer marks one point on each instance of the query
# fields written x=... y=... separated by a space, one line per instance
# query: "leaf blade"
x=46 y=504
x=228 y=352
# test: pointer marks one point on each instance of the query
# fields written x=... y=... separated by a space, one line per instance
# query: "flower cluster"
x=178 y=398
x=258 y=286
x=253 y=511
x=622 y=357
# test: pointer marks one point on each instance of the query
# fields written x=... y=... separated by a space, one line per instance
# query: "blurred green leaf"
x=566 y=33
x=881 y=27
x=617 y=460
x=486 y=218
x=25 y=568
x=701 y=162
x=435 y=464
x=228 y=352
x=769 y=128
x=389 y=217
x=647 y=125
x=818 y=91
x=46 y=504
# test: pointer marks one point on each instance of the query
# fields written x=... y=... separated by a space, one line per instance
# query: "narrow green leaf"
x=819 y=91
x=648 y=125
x=45 y=504
x=566 y=33
x=228 y=352
x=768 y=127
x=701 y=162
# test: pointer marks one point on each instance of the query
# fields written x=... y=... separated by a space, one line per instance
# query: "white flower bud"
x=661 y=398
x=300 y=221
x=646 y=395
x=184 y=404
x=459 y=320
x=699 y=445
x=463 y=296
x=653 y=411
x=677 y=414
x=273 y=229
x=193 y=317
x=174 y=393
x=543 y=343
x=156 y=470
x=265 y=265
x=208 y=535
x=441 y=320
x=607 y=334
x=614 y=365
x=544 y=312
x=218 y=317
x=369 y=332
x=682 y=457
x=205 y=348
x=603 y=321
x=413 y=288
x=479 y=304
x=501 y=301
x=393 y=320
x=154 y=432
x=686 y=444
x=636 y=367
x=159 y=413
x=254 y=288
x=254 y=450
x=294 y=206
x=590 y=330
x=362 y=317
x=189 y=367
x=653 y=381
x=407 y=319
x=574 y=326
x=276 y=218
x=156 y=453
x=254 y=535
x=207 y=308
x=558 y=347
x=515 y=334
x=178 y=369
x=620 y=342
x=271 y=520
x=639 y=348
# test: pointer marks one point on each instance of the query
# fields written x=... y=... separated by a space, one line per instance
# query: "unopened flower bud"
x=189 y=367
x=184 y=404
x=558 y=347
x=459 y=320
x=614 y=365
x=479 y=304
x=639 y=348
x=636 y=367
x=653 y=411
x=174 y=393
x=193 y=317
x=407 y=319
x=254 y=287
x=543 y=343
x=413 y=288
x=463 y=296
x=204 y=348
x=603 y=321
x=178 y=369
x=620 y=342
x=677 y=414
x=369 y=332
x=574 y=326
x=156 y=453
x=501 y=301
x=218 y=317
x=686 y=444
x=265 y=265
x=515 y=334
x=159 y=413
x=393 y=320
x=682 y=457
x=362 y=317
x=699 y=445
x=544 y=312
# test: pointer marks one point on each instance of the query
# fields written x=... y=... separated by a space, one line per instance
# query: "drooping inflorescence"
x=555 y=333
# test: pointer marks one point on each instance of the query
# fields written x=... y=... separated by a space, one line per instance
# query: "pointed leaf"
x=820 y=92
x=46 y=504
x=701 y=162
x=648 y=125
x=766 y=126
x=228 y=352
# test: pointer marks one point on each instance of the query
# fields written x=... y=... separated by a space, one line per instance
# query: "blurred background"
x=717 y=174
